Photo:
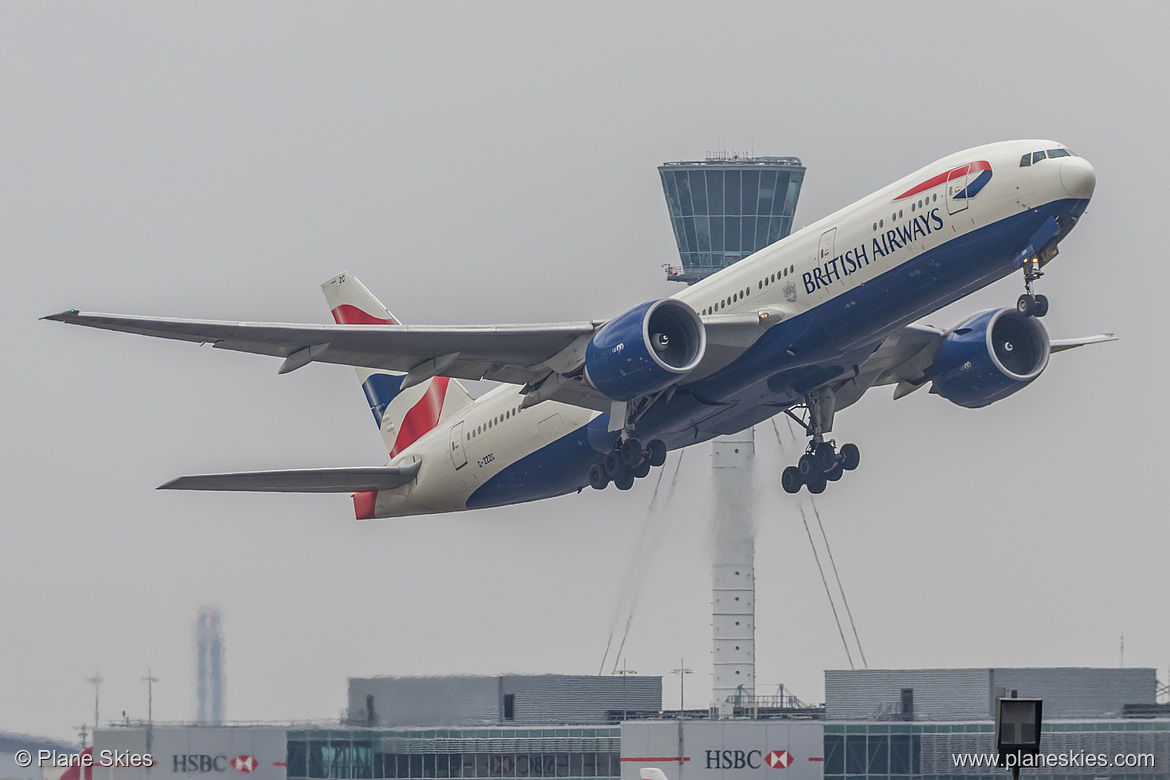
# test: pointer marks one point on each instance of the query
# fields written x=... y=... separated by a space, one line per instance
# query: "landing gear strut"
x=1030 y=304
x=626 y=462
x=821 y=463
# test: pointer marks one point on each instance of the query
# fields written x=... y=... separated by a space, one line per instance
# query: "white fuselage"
x=830 y=259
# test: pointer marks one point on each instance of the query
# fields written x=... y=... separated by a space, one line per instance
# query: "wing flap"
x=330 y=480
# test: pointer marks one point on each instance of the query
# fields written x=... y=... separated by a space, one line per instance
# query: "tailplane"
x=402 y=415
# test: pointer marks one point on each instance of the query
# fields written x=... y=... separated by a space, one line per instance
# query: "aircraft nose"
x=1078 y=177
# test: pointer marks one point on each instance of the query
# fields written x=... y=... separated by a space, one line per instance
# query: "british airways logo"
x=862 y=255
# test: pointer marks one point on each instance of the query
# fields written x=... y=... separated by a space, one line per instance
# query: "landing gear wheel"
x=625 y=481
x=1026 y=305
x=656 y=452
x=834 y=473
x=631 y=453
x=1041 y=306
x=816 y=486
x=598 y=480
x=642 y=469
x=824 y=456
x=614 y=467
x=790 y=480
x=850 y=456
x=807 y=468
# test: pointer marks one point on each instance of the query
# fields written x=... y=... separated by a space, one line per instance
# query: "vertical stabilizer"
x=402 y=416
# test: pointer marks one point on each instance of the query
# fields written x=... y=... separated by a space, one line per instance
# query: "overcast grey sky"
x=491 y=162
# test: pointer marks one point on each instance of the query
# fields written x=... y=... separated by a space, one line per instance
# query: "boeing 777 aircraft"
x=803 y=327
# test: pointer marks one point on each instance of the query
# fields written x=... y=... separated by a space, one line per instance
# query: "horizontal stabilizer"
x=343 y=480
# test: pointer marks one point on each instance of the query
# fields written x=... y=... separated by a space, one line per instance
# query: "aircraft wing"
x=341 y=480
x=905 y=356
x=546 y=357
x=505 y=353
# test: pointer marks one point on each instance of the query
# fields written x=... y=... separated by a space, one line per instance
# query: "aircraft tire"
x=614 y=467
x=818 y=484
x=642 y=469
x=850 y=456
x=807 y=468
x=625 y=481
x=790 y=480
x=631 y=453
x=834 y=473
x=1026 y=305
x=1041 y=305
x=656 y=452
x=825 y=456
x=598 y=480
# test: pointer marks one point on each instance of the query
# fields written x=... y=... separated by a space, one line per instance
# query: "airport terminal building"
x=874 y=725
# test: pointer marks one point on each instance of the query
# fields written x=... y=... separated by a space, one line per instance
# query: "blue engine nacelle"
x=648 y=348
x=989 y=357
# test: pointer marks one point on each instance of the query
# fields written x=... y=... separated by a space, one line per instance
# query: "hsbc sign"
x=725 y=749
x=202 y=763
x=734 y=759
x=748 y=759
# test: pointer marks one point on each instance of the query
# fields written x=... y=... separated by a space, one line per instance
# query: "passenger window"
x=1037 y=156
x=1057 y=153
x=1025 y=161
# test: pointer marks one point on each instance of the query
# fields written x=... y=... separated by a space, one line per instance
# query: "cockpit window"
x=1057 y=153
x=1037 y=156
x=1025 y=161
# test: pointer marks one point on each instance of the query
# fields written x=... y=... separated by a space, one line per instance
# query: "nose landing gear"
x=1030 y=304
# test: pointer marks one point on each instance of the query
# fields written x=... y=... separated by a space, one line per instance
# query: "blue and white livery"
x=803 y=327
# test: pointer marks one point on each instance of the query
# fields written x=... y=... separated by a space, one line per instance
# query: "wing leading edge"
x=505 y=353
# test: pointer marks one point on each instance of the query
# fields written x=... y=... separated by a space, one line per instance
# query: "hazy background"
x=477 y=162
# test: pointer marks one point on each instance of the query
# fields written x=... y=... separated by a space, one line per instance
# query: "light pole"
x=96 y=681
x=150 y=680
x=623 y=673
x=682 y=671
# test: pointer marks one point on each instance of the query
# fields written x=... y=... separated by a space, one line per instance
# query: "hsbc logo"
x=748 y=759
x=245 y=764
x=202 y=763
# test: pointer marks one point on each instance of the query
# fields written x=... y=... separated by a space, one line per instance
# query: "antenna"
x=682 y=671
x=96 y=681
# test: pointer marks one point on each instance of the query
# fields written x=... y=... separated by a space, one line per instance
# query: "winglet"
x=64 y=316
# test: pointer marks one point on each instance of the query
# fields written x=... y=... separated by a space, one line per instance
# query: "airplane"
x=803 y=327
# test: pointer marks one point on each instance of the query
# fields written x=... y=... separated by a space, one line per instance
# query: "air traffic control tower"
x=723 y=209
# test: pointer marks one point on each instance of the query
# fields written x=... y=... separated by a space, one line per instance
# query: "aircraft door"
x=826 y=250
x=458 y=455
x=956 y=184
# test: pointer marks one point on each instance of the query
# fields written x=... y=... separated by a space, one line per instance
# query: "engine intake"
x=989 y=357
x=646 y=349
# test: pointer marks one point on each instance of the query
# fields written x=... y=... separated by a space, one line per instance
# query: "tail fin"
x=402 y=416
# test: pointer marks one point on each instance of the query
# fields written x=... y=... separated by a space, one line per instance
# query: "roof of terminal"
x=724 y=161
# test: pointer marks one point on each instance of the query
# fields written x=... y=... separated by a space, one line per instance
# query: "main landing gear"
x=627 y=461
x=1030 y=304
x=821 y=463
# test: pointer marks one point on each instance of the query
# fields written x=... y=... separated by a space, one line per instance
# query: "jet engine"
x=989 y=357
x=646 y=349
